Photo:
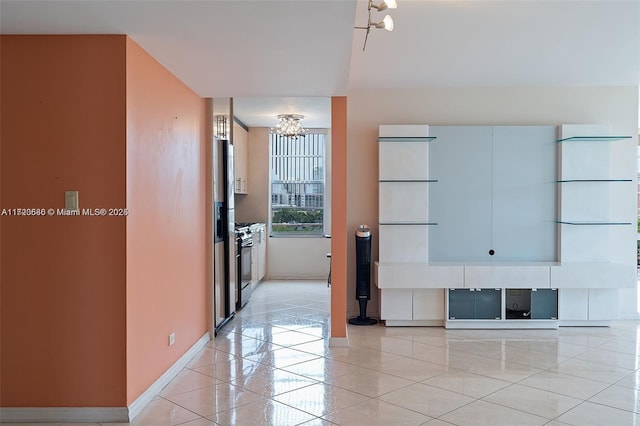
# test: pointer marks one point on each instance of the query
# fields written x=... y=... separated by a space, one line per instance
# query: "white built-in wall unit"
x=503 y=226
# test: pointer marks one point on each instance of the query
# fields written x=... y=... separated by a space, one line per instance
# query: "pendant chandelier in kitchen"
x=290 y=125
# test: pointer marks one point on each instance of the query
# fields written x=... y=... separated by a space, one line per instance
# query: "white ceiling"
x=455 y=43
x=291 y=55
x=261 y=112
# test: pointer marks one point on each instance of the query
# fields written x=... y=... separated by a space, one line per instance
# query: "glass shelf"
x=407 y=139
x=408 y=223
x=593 y=180
x=578 y=222
x=409 y=180
x=593 y=138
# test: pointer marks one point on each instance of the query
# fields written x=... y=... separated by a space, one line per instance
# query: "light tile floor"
x=271 y=366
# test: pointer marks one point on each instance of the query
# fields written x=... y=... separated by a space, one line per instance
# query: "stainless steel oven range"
x=244 y=240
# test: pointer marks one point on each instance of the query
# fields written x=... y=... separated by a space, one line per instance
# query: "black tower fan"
x=363 y=274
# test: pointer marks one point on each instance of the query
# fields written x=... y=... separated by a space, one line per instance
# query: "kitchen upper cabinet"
x=240 y=158
x=496 y=193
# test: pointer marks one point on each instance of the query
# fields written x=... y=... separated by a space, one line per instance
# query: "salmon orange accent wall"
x=62 y=307
x=339 y=216
x=166 y=265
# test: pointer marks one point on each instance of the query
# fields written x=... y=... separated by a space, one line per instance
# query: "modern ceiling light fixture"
x=385 y=24
x=290 y=125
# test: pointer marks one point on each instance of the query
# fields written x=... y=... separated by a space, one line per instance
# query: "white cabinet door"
x=396 y=304
x=593 y=275
x=428 y=304
x=460 y=202
x=594 y=304
x=240 y=157
x=573 y=304
x=262 y=253
x=518 y=276
x=496 y=191
x=603 y=304
x=254 y=263
x=524 y=193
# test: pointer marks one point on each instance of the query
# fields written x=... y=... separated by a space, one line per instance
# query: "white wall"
x=368 y=108
x=298 y=258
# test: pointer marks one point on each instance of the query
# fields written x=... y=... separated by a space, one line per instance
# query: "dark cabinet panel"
x=531 y=303
x=475 y=304
x=462 y=304
x=544 y=304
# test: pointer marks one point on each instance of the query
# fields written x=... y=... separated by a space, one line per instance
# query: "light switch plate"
x=71 y=200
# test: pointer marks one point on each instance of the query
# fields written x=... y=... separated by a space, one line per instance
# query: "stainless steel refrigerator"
x=224 y=248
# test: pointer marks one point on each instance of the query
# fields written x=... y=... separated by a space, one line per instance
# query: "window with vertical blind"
x=297 y=184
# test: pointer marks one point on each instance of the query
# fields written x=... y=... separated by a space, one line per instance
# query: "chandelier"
x=290 y=125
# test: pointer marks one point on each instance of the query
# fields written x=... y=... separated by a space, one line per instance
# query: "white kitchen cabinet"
x=254 y=263
x=258 y=252
x=262 y=252
x=240 y=158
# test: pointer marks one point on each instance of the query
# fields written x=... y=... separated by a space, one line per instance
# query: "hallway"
x=270 y=366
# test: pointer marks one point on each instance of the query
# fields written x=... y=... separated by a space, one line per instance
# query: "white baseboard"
x=101 y=414
x=152 y=391
x=64 y=414
x=414 y=323
x=502 y=324
x=585 y=323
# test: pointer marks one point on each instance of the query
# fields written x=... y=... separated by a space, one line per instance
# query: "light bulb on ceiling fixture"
x=385 y=24
x=390 y=4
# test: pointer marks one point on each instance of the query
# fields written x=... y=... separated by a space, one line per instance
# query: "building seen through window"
x=297 y=184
